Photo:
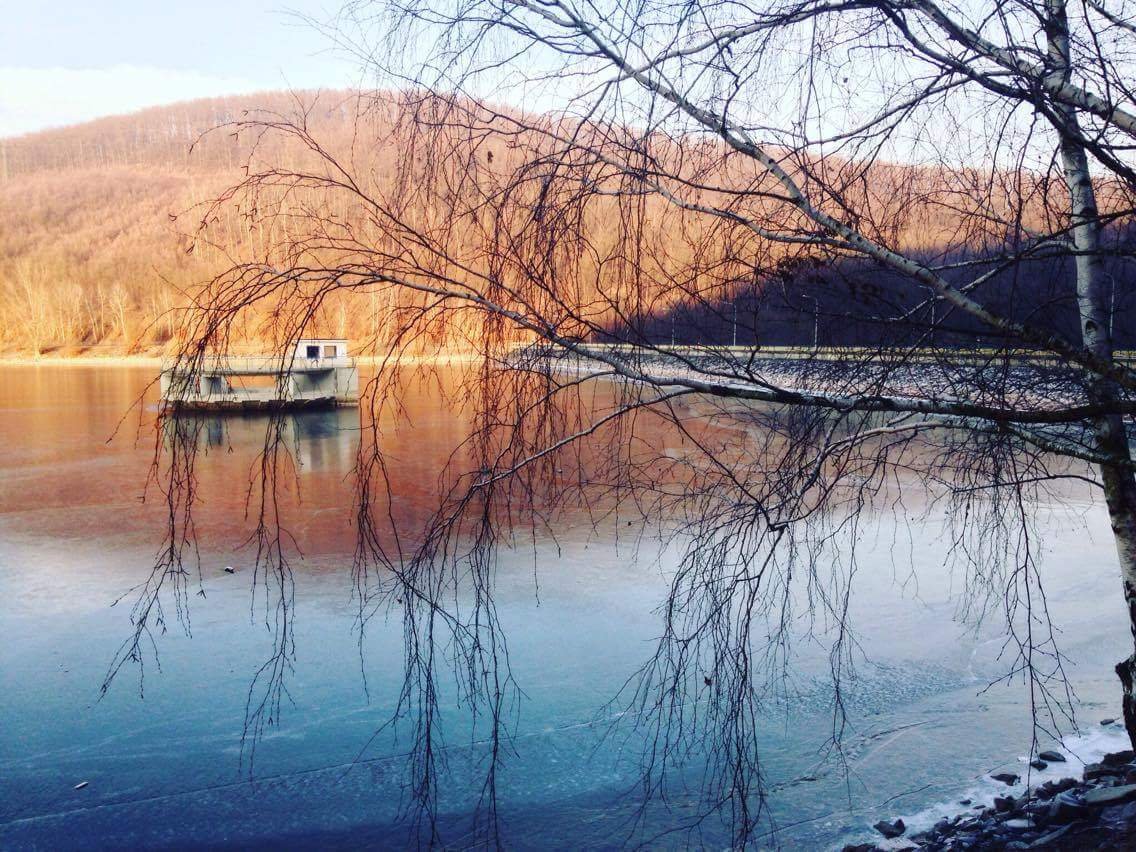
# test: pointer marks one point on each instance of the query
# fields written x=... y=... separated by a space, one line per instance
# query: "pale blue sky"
x=68 y=60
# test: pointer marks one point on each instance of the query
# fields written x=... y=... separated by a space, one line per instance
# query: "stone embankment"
x=1097 y=811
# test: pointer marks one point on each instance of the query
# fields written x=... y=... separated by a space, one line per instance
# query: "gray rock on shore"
x=890 y=830
x=1111 y=795
x=1065 y=814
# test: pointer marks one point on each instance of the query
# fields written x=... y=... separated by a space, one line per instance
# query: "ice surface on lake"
x=164 y=769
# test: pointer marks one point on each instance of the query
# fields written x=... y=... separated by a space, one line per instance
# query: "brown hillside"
x=97 y=221
x=93 y=218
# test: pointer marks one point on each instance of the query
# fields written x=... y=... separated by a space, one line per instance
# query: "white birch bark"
x=1092 y=298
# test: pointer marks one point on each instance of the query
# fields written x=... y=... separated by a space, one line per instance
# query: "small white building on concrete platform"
x=317 y=373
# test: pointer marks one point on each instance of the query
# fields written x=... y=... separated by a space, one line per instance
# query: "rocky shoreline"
x=1096 y=811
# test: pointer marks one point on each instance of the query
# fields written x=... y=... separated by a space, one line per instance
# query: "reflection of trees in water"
x=764 y=504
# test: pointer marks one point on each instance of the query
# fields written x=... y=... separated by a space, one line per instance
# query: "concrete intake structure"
x=317 y=373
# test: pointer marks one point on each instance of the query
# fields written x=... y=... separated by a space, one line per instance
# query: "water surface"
x=162 y=751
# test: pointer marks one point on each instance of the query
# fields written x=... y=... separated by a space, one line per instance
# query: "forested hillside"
x=96 y=220
x=108 y=230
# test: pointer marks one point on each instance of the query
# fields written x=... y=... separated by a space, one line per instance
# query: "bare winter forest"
x=108 y=229
x=91 y=249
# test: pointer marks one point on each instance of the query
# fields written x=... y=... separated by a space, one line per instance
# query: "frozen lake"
x=162 y=757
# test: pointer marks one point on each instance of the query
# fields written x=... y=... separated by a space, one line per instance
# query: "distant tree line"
x=100 y=247
x=860 y=303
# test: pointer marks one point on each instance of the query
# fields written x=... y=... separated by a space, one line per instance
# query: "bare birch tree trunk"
x=1093 y=303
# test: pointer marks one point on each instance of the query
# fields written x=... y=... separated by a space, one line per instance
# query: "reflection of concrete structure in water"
x=317 y=439
x=318 y=374
x=215 y=432
x=324 y=440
